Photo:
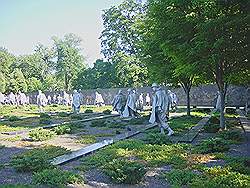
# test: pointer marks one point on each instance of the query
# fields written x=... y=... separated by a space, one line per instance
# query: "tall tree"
x=102 y=75
x=222 y=44
x=120 y=39
x=17 y=81
x=167 y=35
x=69 y=59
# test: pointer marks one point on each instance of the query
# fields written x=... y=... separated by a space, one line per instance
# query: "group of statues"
x=14 y=99
x=161 y=103
x=75 y=100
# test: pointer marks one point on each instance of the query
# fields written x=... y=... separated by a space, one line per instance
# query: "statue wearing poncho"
x=159 y=109
x=130 y=108
x=118 y=102
x=76 y=104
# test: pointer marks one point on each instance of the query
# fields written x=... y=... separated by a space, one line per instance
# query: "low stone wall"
x=204 y=95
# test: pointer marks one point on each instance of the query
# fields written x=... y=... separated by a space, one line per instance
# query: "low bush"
x=36 y=159
x=231 y=111
x=63 y=114
x=98 y=123
x=76 y=116
x=87 y=139
x=17 y=186
x=157 y=138
x=125 y=171
x=14 y=118
x=87 y=111
x=180 y=177
x=107 y=112
x=214 y=119
x=137 y=121
x=239 y=164
x=41 y=134
x=221 y=177
x=45 y=121
x=213 y=145
x=45 y=115
x=211 y=128
x=56 y=177
x=63 y=129
x=202 y=110
x=233 y=135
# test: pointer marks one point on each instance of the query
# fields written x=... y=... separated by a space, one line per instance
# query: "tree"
x=17 y=81
x=167 y=34
x=120 y=41
x=2 y=83
x=69 y=59
x=102 y=75
x=222 y=45
x=34 y=84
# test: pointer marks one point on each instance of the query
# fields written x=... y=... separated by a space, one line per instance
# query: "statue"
x=21 y=98
x=173 y=100
x=59 y=99
x=140 y=102
x=148 y=100
x=2 y=98
x=41 y=101
x=130 y=107
x=49 y=99
x=118 y=102
x=247 y=96
x=66 y=99
x=12 y=98
x=159 y=109
x=98 y=99
x=76 y=104
x=218 y=102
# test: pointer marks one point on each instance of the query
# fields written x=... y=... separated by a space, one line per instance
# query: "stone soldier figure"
x=41 y=100
x=99 y=99
x=76 y=104
x=130 y=108
x=159 y=109
x=218 y=102
x=118 y=102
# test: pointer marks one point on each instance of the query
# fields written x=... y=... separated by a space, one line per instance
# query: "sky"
x=25 y=23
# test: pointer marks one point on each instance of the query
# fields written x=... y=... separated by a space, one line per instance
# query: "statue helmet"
x=155 y=85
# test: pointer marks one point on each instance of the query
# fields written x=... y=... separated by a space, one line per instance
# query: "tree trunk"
x=188 y=102
x=66 y=82
x=222 y=110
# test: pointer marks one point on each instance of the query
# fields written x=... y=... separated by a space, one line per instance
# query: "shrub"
x=137 y=121
x=87 y=139
x=214 y=120
x=239 y=164
x=63 y=114
x=36 y=159
x=98 y=123
x=76 y=116
x=180 y=177
x=234 y=135
x=54 y=105
x=45 y=115
x=16 y=186
x=88 y=111
x=56 y=177
x=107 y=112
x=63 y=129
x=211 y=128
x=213 y=145
x=41 y=134
x=230 y=111
x=14 y=118
x=157 y=138
x=45 y=121
x=202 y=110
x=125 y=171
